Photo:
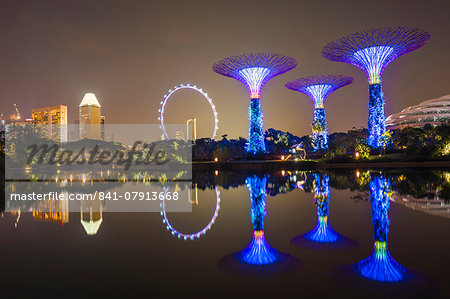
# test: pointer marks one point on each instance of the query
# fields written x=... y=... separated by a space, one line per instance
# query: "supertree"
x=372 y=50
x=380 y=266
x=318 y=88
x=254 y=70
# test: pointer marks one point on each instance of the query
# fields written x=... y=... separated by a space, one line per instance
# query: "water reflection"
x=196 y=235
x=258 y=257
x=258 y=252
x=380 y=265
x=91 y=216
x=323 y=234
x=378 y=274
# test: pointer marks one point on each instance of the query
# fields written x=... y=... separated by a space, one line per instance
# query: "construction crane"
x=17 y=111
x=15 y=117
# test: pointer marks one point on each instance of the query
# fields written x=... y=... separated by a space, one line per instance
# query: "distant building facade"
x=102 y=127
x=90 y=117
x=55 y=120
x=433 y=112
x=179 y=135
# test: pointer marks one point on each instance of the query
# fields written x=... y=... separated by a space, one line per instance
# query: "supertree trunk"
x=257 y=188
x=256 y=132
x=320 y=138
x=377 y=121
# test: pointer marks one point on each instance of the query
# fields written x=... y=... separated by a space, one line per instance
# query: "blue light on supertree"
x=258 y=252
x=322 y=233
x=257 y=188
x=258 y=258
x=372 y=50
x=254 y=70
x=380 y=266
x=318 y=88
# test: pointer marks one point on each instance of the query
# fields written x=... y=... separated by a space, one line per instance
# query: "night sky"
x=129 y=53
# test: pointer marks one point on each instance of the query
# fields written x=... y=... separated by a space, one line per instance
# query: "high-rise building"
x=179 y=135
x=90 y=117
x=53 y=120
x=102 y=127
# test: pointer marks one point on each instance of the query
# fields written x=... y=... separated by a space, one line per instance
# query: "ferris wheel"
x=166 y=99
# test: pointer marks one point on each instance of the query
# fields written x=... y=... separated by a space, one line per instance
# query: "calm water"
x=351 y=233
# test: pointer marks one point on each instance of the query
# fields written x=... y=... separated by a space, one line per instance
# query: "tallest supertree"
x=254 y=70
x=372 y=50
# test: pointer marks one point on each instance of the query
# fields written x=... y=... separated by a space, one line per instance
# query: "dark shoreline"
x=269 y=165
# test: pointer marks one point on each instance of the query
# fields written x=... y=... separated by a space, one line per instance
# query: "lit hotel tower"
x=371 y=51
x=318 y=88
x=90 y=117
x=254 y=70
x=54 y=121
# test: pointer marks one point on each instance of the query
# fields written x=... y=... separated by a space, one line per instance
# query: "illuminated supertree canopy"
x=318 y=88
x=372 y=50
x=254 y=70
x=380 y=265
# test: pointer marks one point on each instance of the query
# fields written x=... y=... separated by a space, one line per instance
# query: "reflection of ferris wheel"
x=193 y=235
x=199 y=90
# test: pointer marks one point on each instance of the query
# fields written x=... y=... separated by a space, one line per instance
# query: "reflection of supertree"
x=318 y=88
x=258 y=257
x=322 y=235
x=372 y=51
x=322 y=232
x=258 y=252
x=380 y=265
x=254 y=70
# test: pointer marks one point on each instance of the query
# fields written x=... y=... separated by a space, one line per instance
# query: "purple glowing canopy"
x=319 y=87
x=254 y=70
x=372 y=50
